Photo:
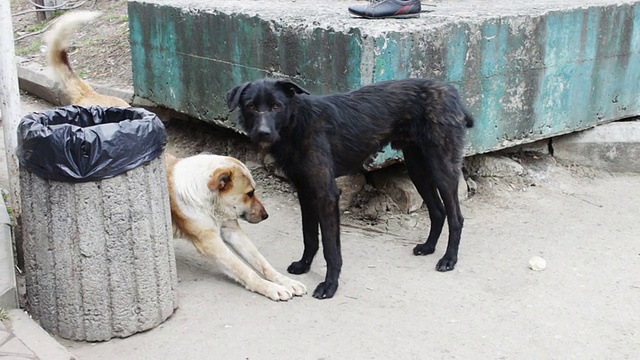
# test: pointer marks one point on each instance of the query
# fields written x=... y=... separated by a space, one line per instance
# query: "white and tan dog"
x=208 y=193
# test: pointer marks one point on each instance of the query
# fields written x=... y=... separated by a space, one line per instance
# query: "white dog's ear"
x=221 y=180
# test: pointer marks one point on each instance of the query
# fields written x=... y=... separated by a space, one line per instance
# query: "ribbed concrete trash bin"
x=96 y=222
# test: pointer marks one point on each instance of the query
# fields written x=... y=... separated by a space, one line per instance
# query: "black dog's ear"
x=233 y=96
x=290 y=87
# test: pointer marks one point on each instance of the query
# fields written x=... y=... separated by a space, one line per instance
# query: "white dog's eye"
x=250 y=194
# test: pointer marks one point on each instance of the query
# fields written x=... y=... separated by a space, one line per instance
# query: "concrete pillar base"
x=99 y=258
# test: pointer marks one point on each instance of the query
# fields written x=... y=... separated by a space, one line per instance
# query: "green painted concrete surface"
x=527 y=71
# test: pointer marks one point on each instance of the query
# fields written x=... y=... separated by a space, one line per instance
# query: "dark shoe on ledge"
x=380 y=9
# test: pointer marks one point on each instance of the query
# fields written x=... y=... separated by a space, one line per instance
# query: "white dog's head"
x=235 y=189
x=214 y=187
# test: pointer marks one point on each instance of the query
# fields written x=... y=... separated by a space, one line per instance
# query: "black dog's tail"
x=468 y=118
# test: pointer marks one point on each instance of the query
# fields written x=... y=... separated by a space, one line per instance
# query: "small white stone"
x=537 y=263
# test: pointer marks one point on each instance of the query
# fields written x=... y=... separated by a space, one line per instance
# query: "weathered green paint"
x=523 y=77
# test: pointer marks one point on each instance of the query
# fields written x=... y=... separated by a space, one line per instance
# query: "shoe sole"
x=407 y=16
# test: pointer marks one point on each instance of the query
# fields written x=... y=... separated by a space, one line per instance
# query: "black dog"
x=318 y=138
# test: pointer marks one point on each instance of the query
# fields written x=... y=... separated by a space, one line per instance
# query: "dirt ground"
x=391 y=304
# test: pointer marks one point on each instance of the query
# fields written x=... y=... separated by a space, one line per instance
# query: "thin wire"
x=54 y=7
x=46 y=27
x=51 y=8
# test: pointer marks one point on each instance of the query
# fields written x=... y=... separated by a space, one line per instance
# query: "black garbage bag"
x=80 y=144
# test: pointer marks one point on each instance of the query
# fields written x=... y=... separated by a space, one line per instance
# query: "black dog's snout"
x=264 y=132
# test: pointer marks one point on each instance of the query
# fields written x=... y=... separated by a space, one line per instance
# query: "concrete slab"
x=35 y=79
x=35 y=340
x=38 y=80
x=8 y=294
x=611 y=147
x=528 y=69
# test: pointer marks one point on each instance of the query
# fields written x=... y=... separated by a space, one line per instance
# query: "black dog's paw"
x=298 y=267
x=447 y=263
x=423 y=249
x=325 y=290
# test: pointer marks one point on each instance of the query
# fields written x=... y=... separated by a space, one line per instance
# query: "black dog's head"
x=264 y=107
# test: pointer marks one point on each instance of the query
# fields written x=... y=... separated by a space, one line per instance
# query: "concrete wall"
x=528 y=70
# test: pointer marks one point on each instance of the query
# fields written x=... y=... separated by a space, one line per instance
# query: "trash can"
x=96 y=221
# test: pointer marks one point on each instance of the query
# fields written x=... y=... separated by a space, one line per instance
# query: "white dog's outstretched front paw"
x=275 y=291
x=295 y=287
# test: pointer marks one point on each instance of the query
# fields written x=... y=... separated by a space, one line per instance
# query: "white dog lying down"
x=208 y=194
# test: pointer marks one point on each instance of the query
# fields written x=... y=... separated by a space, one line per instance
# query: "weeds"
x=7 y=203
x=4 y=314
x=119 y=19
x=32 y=48
x=36 y=27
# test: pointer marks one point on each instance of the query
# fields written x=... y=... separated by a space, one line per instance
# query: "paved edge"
x=8 y=291
x=37 y=80
x=40 y=342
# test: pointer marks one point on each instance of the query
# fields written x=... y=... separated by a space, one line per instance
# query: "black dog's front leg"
x=309 y=233
x=330 y=227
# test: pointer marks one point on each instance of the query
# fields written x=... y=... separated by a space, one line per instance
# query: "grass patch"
x=5 y=197
x=36 y=27
x=4 y=314
x=34 y=47
x=118 y=18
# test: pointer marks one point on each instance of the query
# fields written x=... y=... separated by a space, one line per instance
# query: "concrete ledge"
x=527 y=70
x=39 y=81
x=612 y=147
x=34 y=79
x=8 y=292
x=43 y=345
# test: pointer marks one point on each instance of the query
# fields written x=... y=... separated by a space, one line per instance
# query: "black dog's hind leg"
x=429 y=174
x=309 y=234
x=449 y=194
x=421 y=175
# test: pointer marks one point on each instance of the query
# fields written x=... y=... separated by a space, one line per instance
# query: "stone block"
x=463 y=189
x=397 y=185
x=493 y=166
x=272 y=166
x=36 y=80
x=40 y=344
x=517 y=64
x=350 y=185
x=41 y=82
x=613 y=147
x=541 y=147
